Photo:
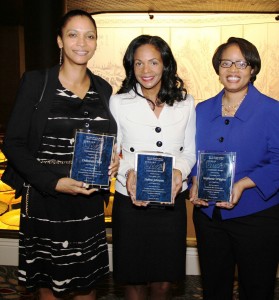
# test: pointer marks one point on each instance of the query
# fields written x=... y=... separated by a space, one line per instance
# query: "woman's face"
x=148 y=67
x=79 y=40
x=234 y=79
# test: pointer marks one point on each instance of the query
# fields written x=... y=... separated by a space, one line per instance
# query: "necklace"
x=230 y=110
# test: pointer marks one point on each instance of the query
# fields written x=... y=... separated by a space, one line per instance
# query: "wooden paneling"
x=97 y=6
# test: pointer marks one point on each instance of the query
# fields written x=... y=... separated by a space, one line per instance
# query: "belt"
x=55 y=162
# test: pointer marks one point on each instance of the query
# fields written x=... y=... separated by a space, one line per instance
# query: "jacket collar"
x=249 y=104
x=132 y=95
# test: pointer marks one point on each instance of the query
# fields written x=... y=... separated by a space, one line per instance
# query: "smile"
x=81 y=53
x=233 y=78
x=150 y=78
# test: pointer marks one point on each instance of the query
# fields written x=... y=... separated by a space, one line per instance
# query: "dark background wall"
x=28 y=42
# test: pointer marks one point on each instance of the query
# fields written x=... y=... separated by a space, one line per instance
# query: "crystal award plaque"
x=215 y=175
x=154 y=177
x=92 y=157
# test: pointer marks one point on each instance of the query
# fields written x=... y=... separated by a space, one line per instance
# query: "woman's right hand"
x=114 y=166
x=194 y=195
x=73 y=187
x=131 y=184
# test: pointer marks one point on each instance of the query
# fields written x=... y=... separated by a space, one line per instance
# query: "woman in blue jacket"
x=243 y=232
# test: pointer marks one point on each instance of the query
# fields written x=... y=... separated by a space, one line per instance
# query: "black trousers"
x=251 y=243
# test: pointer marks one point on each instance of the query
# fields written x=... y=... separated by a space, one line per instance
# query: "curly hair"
x=248 y=50
x=172 y=87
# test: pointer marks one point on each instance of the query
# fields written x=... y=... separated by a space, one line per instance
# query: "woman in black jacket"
x=62 y=234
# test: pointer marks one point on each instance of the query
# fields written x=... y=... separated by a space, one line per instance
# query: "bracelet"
x=128 y=172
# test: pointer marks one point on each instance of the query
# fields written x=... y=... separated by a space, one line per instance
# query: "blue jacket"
x=253 y=133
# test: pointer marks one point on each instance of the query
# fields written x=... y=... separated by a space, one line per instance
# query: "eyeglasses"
x=239 y=64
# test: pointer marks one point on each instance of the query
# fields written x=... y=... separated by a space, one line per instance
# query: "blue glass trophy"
x=154 y=177
x=92 y=157
x=215 y=175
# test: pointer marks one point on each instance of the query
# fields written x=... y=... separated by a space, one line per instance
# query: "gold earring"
x=61 y=57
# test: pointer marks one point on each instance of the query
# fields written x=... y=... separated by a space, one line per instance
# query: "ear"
x=252 y=71
x=59 y=42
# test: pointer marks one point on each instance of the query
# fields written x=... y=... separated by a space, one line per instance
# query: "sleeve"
x=266 y=175
x=16 y=142
x=187 y=159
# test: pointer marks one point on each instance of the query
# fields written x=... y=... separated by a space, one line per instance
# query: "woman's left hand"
x=237 y=190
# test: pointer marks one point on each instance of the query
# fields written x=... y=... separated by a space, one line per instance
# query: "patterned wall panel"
x=193 y=39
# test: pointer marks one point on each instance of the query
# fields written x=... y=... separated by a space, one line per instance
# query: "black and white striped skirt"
x=62 y=243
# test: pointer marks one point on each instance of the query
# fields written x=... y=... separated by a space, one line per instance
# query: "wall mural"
x=193 y=39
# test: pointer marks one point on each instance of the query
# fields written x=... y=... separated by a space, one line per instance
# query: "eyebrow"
x=81 y=30
x=148 y=59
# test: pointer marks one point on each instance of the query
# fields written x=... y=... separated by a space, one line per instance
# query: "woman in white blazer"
x=153 y=113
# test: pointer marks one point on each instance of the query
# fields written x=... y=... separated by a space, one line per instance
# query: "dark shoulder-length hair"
x=172 y=87
x=248 y=50
x=73 y=13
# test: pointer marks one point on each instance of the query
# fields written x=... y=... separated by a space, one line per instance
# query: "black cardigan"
x=27 y=124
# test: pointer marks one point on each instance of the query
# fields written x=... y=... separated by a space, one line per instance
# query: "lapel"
x=40 y=115
x=104 y=90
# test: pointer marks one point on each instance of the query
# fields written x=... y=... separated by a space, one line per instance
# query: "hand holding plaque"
x=92 y=157
x=215 y=175
x=154 y=177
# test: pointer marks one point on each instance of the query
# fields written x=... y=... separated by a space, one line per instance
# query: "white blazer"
x=138 y=129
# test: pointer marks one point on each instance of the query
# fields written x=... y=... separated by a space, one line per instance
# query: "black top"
x=68 y=113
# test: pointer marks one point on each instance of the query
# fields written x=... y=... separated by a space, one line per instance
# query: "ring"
x=194 y=203
x=84 y=185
